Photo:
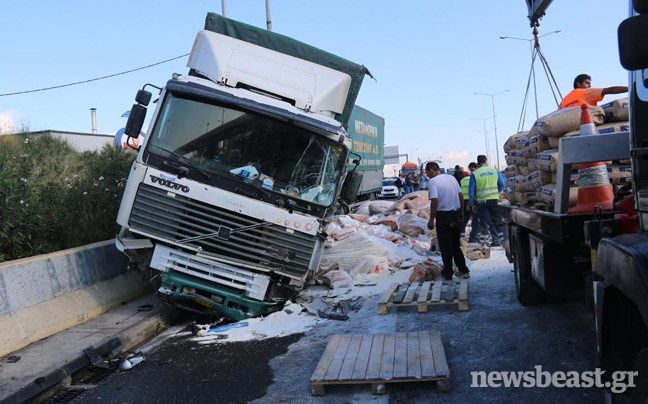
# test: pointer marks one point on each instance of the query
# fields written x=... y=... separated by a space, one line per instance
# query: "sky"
x=428 y=58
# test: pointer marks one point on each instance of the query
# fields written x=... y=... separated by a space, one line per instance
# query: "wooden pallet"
x=425 y=294
x=378 y=359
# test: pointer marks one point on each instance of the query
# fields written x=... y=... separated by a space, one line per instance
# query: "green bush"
x=56 y=197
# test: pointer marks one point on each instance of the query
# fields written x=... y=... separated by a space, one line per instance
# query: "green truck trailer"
x=367 y=132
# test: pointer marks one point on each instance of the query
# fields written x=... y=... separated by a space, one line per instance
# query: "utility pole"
x=268 y=18
x=485 y=135
x=494 y=124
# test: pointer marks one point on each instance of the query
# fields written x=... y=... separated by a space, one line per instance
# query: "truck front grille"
x=177 y=217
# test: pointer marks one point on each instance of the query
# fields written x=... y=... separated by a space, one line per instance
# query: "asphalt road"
x=496 y=334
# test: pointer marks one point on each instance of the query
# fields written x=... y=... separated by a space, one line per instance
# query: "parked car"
x=389 y=190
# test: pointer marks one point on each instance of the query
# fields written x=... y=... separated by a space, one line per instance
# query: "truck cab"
x=245 y=163
x=621 y=290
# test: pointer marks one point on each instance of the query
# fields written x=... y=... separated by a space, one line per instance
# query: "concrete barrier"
x=40 y=296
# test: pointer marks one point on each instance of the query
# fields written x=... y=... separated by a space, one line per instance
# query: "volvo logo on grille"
x=169 y=184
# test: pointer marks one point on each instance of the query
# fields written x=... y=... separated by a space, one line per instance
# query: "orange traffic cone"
x=594 y=187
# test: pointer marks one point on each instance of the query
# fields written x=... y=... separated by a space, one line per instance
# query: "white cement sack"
x=573 y=179
x=518 y=181
x=616 y=110
x=619 y=175
x=604 y=129
x=535 y=145
x=337 y=279
x=525 y=170
x=509 y=193
x=521 y=140
x=511 y=171
x=379 y=207
x=534 y=180
x=511 y=142
x=547 y=194
x=514 y=157
x=554 y=142
x=565 y=120
x=546 y=160
x=363 y=209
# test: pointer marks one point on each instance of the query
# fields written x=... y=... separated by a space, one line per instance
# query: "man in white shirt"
x=446 y=206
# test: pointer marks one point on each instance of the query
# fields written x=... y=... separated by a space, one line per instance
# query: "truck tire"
x=528 y=291
x=344 y=209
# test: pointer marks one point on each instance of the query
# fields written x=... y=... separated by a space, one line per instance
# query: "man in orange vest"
x=583 y=93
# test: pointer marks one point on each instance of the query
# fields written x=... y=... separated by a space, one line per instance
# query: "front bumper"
x=205 y=297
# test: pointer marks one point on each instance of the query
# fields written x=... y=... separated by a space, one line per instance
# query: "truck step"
x=425 y=294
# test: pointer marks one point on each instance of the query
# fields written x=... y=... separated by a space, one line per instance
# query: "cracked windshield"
x=264 y=152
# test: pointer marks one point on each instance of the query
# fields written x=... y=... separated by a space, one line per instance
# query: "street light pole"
x=268 y=18
x=485 y=134
x=412 y=154
x=494 y=124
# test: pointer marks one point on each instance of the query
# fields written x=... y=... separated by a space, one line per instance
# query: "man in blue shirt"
x=484 y=189
x=424 y=180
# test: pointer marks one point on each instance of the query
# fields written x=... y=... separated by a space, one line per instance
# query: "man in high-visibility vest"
x=583 y=93
x=465 y=182
x=484 y=189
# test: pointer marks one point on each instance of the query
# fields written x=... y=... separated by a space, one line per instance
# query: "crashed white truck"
x=244 y=164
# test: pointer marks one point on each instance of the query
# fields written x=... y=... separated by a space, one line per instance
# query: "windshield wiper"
x=240 y=180
x=188 y=162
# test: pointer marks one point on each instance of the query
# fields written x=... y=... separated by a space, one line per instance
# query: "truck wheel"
x=640 y=392
x=527 y=289
x=344 y=209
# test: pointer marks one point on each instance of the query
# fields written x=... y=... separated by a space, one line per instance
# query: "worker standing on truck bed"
x=484 y=188
x=446 y=206
x=583 y=93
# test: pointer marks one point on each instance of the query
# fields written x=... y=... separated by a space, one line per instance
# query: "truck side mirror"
x=137 y=114
x=351 y=186
x=633 y=49
x=135 y=121
x=143 y=97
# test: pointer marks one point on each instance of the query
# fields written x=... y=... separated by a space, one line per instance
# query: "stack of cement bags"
x=533 y=156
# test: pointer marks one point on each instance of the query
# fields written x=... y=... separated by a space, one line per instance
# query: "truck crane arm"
x=537 y=9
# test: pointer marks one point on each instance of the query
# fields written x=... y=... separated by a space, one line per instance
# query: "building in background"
x=392 y=161
x=80 y=141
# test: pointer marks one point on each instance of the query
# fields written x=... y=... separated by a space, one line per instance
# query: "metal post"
x=268 y=18
x=497 y=166
x=495 y=127
x=93 y=116
x=224 y=7
x=486 y=138
x=485 y=135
